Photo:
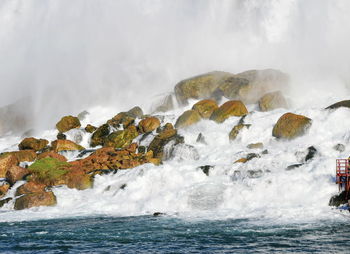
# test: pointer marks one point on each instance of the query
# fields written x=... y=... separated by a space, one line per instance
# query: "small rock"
x=123 y=119
x=339 y=147
x=142 y=149
x=339 y=199
x=345 y=104
x=4 y=187
x=206 y=169
x=61 y=136
x=90 y=128
x=256 y=146
x=99 y=136
x=236 y=130
x=227 y=110
x=290 y=126
x=294 y=166
x=201 y=139
x=156 y=214
x=311 y=153
x=121 y=138
x=52 y=154
x=67 y=123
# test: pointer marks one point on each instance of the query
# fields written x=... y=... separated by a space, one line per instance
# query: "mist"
x=69 y=55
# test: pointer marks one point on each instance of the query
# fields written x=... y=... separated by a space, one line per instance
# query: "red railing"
x=343 y=174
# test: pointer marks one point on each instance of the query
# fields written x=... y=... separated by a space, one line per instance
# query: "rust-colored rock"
x=16 y=173
x=25 y=155
x=272 y=101
x=35 y=199
x=7 y=160
x=205 y=108
x=290 y=126
x=4 y=187
x=227 y=110
x=30 y=187
x=65 y=145
x=33 y=144
x=52 y=154
x=67 y=123
x=188 y=118
x=90 y=128
x=148 y=124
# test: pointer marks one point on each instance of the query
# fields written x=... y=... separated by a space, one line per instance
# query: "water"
x=148 y=234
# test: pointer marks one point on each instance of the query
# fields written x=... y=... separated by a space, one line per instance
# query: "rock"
x=61 y=136
x=187 y=118
x=7 y=160
x=236 y=130
x=249 y=157
x=16 y=173
x=311 y=153
x=148 y=124
x=25 y=155
x=271 y=101
x=339 y=147
x=206 y=169
x=166 y=104
x=99 y=136
x=136 y=112
x=78 y=179
x=52 y=154
x=199 y=87
x=294 y=166
x=180 y=151
x=201 y=139
x=339 y=199
x=255 y=173
x=4 y=201
x=82 y=115
x=90 y=128
x=122 y=119
x=35 y=199
x=256 y=146
x=205 y=108
x=67 y=123
x=228 y=109
x=33 y=144
x=121 y=138
x=30 y=187
x=290 y=126
x=231 y=87
x=157 y=214
x=345 y=104
x=65 y=145
x=4 y=187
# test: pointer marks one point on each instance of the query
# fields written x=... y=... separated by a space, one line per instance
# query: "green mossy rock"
x=290 y=126
x=67 y=123
x=205 y=108
x=227 y=110
x=188 y=118
x=121 y=138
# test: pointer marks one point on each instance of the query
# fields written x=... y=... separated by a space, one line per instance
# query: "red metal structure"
x=343 y=175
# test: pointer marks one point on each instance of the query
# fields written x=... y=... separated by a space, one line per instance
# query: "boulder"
x=166 y=104
x=25 y=155
x=123 y=119
x=4 y=187
x=99 y=136
x=148 y=124
x=290 y=126
x=227 y=110
x=16 y=173
x=199 y=87
x=90 y=128
x=78 y=179
x=67 y=123
x=35 y=199
x=121 y=138
x=339 y=199
x=65 y=145
x=7 y=160
x=187 y=118
x=345 y=104
x=136 y=112
x=52 y=154
x=233 y=86
x=271 y=101
x=4 y=201
x=236 y=130
x=205 y=108
x=30 y=187
x=33 y=144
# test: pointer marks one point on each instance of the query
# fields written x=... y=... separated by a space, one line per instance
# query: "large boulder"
x=228 y=109
x=33 y=144
x=35 y=199
x=271 y=101
x=148 y=124
x=67 y=123
x=123 y=119
x=188 y=118
x=99 y=136
x=290 y=126
x=25 y=155
x=7 y=161
x=16 y=173
x=30 y=187
x=205 y=108
x=121 y=138
x=199 y=87
x=65 y=145
x=345 y=104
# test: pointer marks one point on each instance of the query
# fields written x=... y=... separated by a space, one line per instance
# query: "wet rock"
x=16 y=173
x=148 y=124
x=166 y=104
x=339 y=147
x=199 y=87
x=121 y=138
x=35 y=199
x=61 y=136
x=25 y=155
x=229 y=109
x=30 y=187
x=136 y=112
x=4 y=201
x=52 y=154
x=157 y=214
x=180 y=152
x=345 y=104
x=4 y=187
x=201 y=139
x=271 y=101
x=294 y=166
x=338 y=199
x=233 y=86
x=265 y=151
x=7 y=160
x=142 y=149
x=256 y=146
x=249 y=157
x=255 y=173
x=205 y=108
x=82 y=115
x=188 y=118
x=290 y=126
x=33 y=144
x=236 y=130
x=206 y=169
x=123 y=119
x=90 y=128
x=67 y=123
x=99 y=136
x=311 y=152
x=65 y=145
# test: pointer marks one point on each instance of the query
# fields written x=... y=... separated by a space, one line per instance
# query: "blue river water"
x=148 y=234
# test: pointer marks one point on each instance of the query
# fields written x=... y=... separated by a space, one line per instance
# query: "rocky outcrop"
x=205 y=108
x=148 y=124
x=67 y=123
x=290 y=126
x=345 y=104
x=7 y=160
x=227 y=110
x=16 y=173
x=187 y=118
x=99 y=136
x=35 y=199
x=33 y=144
x=271 y=101
x=121 y=138
x=236 y=130
x=65 y=145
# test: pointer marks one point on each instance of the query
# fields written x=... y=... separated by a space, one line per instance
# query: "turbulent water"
x=107 y=56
